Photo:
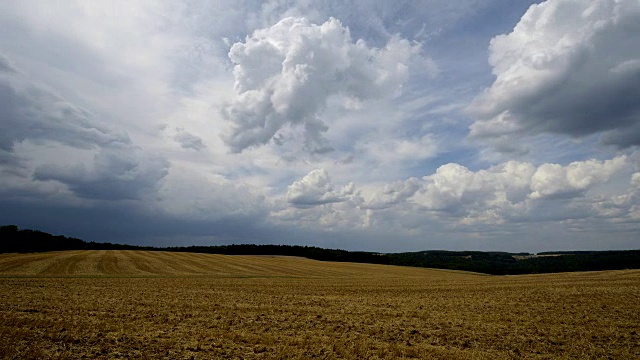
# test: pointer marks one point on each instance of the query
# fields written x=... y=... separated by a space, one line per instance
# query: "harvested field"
x=159 y=263
x=133 y=304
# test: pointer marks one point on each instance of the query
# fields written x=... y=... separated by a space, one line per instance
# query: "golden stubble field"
x=158 y=305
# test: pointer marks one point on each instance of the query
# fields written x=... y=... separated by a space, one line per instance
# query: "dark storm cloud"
x=123 y=223
x=133 y=224
x=574 y=75
x=114 y=175
x=29 y=111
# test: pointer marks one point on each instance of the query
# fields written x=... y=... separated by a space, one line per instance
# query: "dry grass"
x=127 y=304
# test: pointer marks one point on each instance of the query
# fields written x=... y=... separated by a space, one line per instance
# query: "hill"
x=14 y=240
x=122 y=304
x=161 y=263
x=502 y=263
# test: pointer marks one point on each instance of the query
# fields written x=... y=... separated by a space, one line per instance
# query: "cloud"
x=201 y=196
x=114 y=174
x=36 y=115
x=515 y=190
x=112 y=116
x=457 y=190
x=315 y=189
x=392 y=194
x=568 y=67
x=553 y=180
x=390 y=151
x=189 y=141
x=624 y=207
x=379 y=19
x=511 y=192
x=31 y=111
x=286 y=74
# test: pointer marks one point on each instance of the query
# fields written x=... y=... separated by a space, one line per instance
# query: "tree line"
x=15 y=240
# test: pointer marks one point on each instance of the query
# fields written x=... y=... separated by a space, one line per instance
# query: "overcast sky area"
x=374 y=125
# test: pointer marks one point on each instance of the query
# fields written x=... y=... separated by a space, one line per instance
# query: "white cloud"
x=456 y=190
x=197 y=195
x=511 y=192
x=624 y=207
x=315 y=189
x=568 y=67
x=553 y=180
x=392 y=194
x=399 y=151
x=286 y=74
x=515 y=190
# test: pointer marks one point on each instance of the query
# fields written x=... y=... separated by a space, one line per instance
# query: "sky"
x=372 y=125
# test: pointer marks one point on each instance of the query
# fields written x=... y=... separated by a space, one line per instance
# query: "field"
x=155 y=305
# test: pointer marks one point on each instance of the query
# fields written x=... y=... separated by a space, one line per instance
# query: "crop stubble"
x=133 y=304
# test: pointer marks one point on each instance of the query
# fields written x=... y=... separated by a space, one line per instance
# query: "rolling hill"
x=119 y=304
x=161 y=263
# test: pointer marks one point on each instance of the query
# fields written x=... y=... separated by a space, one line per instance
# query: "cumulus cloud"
x=553 y=180
x=392 y=194
x=315 y=189
x=457 y=190
x=114 y=174
x=623 y=207
x=512 y=190
x=286 y=74
x=568 y=67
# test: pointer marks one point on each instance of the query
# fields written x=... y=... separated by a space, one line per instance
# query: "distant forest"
x=15 y=240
